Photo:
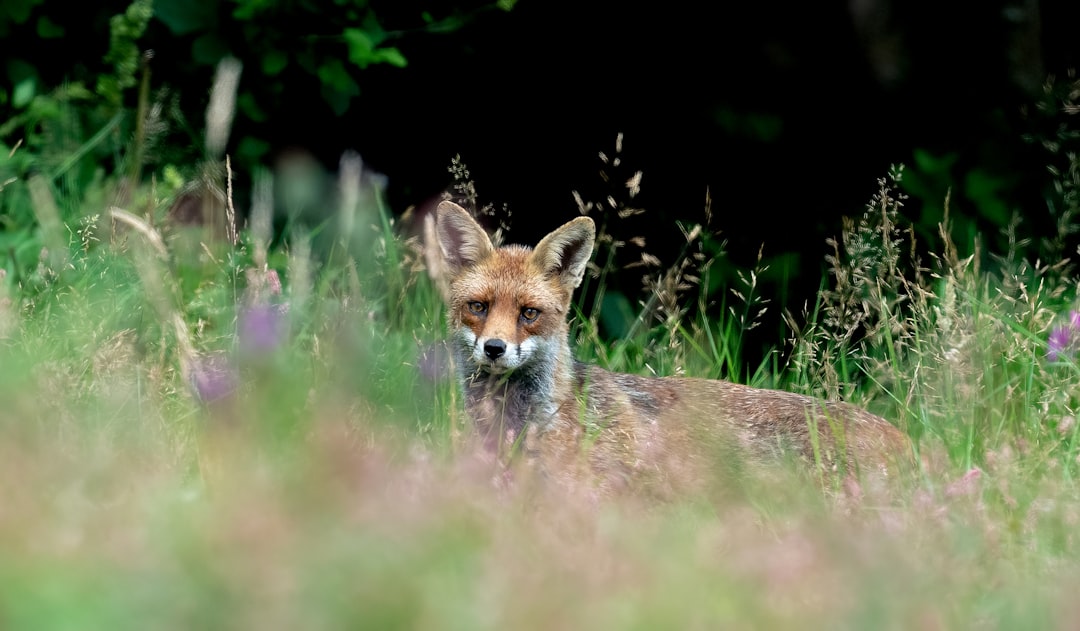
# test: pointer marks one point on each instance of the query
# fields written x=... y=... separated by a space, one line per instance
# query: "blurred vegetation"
x=224 y=401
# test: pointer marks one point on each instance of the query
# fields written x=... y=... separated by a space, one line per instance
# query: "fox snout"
x=495 y=353
x=494 y=348
x=490 y=337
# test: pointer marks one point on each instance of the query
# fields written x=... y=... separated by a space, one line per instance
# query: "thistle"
x=1064 y=339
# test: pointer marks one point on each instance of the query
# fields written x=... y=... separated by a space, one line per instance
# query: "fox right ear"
x=462 y=240
x=565 y=253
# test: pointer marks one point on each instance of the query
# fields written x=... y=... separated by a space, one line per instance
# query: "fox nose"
x=495 y=348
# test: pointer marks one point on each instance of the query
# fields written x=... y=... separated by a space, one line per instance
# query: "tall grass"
x=207 y=430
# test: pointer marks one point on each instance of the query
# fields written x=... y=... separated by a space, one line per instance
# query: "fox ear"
x=463 y=241
x=565 y=252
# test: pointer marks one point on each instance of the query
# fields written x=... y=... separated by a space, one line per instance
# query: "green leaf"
x=209 y=49
x=986 y=191
x=184 y=16
x=274 y=62
x=361 y=47
x=24 y=92
x=364 y=51
x=250 y=9
x=616 y=314
x=393 y=57
x=929 y=163
x=247 y=104
x=337 y=101
x=338 y=87
x=24 y=81
x=251 y=149
x=47 y=29
x=19 y=12
x=334 y=74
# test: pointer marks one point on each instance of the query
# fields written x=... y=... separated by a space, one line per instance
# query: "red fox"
x=508 y=317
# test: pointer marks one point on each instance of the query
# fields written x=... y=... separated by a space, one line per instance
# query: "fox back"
x=508 y=315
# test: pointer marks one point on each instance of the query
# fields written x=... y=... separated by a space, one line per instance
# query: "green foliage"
x=321 y=48
x=978 y=196
x=16 y=13
x=70 y=138
x=124 y=54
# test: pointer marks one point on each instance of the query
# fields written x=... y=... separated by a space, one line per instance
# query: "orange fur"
x=508 y=314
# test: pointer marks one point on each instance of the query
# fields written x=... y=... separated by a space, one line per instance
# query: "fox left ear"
x=463 y=241
x=565 y=252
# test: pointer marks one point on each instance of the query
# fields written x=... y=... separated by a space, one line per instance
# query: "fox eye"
x=530 y=314
x=476 y=307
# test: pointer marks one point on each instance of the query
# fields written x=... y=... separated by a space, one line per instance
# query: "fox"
x=508 y=318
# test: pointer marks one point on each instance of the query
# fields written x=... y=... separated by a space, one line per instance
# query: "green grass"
x=326 y=486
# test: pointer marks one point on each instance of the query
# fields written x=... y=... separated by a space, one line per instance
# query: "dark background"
x=785 y=112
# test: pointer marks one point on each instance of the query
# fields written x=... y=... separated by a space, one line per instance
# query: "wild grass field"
x=203 y=427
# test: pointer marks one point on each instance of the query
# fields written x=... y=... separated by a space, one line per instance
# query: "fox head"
x=508 y=306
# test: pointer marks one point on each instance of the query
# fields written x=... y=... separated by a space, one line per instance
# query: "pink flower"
x=1064 y=339
x=213 y=377
x=260 y=329
x=966 y=485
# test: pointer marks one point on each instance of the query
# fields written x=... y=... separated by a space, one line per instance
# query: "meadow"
x=247 y=420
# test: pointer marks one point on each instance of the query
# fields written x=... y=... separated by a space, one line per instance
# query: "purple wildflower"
x=260 y=329
x=1064 y=339
x=213 y=377
x=435 y=363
